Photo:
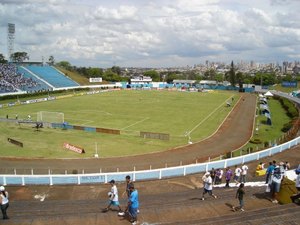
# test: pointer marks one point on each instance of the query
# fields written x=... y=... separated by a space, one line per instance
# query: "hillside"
x=74 y=76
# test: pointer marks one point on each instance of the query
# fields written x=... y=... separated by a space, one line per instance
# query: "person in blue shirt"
x=270 y=170
x=133 y=204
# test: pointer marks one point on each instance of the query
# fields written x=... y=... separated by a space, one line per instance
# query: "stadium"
x=182 y=158
x=62 y=142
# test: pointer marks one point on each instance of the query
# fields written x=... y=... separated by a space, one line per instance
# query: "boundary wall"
x=52 y=179
x=83 y=128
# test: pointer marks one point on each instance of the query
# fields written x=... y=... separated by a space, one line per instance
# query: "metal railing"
x=92 y=178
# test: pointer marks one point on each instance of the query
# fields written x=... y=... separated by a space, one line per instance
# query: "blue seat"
x=40 y=84
x=52 y=76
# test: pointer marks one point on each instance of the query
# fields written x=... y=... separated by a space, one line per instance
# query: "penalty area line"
x=140 y=121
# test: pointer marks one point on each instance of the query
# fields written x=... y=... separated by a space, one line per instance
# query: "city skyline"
x=154 y=33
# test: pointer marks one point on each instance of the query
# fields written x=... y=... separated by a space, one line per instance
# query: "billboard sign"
x=95 y=79
x=289 y=84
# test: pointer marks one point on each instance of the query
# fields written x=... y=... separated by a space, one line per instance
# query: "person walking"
x=207 y=185
x=213 y=175
x=297 y=196
x=269 y=171
x=132 y=205
x=240 y=196
x=244 y=173
x=219 y=175
x=128 y=182
x=298 y=179
x=113 y=197
x=237 y=174
x=4 y=202
x=276 y=179
x=228 y=175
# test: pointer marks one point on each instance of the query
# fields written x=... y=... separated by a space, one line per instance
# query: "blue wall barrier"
x=53 y=179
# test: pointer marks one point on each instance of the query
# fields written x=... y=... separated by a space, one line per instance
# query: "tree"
x=94 y=72
x=51 y=60
x=116 y=69
x=65 y=64
x=192 y=75
x=153 y=74
x=170 y=77
x=231 y=75
x=264 y=78
x=109 y=75
x=2 y=59
x=210 y=74
x=288 y=77
x=240 y=79
x=20 y=56
x=219 y=77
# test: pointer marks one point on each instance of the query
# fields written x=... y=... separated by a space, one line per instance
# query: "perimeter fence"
x=96 y=178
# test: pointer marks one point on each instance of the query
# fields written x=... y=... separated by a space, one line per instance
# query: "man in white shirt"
x=237 y=174
x=208 y=185
x=244 y=173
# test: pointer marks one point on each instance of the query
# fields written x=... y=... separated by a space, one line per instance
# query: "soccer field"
x=179 y=114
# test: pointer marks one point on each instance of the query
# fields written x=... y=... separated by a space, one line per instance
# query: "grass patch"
x=175 y=113
x=278 y=87
x=267 y=133
x=82 y=80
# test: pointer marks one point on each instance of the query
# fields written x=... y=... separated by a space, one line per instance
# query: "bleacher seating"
x=52 y=76
x=40 y=85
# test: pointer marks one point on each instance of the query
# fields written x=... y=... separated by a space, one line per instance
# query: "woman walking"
x=4 y=202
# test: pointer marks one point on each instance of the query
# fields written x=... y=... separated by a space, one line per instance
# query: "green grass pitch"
x=171 y=112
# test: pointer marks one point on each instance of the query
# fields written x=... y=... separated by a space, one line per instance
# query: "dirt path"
x=234 y=132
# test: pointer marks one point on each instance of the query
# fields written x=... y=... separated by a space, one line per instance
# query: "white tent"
x=268 y=94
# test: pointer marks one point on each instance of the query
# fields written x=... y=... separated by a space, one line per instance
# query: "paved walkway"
x=173 y=201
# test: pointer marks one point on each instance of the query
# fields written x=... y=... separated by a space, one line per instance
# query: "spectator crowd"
x=12 y=81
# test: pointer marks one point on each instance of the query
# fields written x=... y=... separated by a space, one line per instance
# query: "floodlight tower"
x=10 y=40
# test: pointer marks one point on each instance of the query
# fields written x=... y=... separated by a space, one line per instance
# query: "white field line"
x=104 y=112
x=194 y=128
x=147 y=118
x=84 y=121
x=88 y=121
x=92 y=111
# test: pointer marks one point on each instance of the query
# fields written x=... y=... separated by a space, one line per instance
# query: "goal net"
x=50 y=117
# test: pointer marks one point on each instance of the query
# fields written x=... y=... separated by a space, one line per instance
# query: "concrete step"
x=279 y=214
x=183 y=207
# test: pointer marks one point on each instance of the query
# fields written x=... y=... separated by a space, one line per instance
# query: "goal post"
x=50 y=117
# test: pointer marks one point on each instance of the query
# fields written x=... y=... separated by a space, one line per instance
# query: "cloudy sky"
x=157 y=33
